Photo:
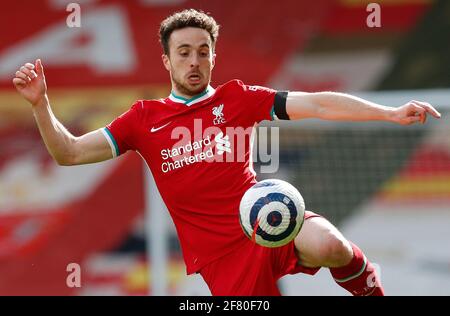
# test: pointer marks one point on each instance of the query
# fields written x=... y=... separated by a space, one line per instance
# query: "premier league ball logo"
x=272 y=213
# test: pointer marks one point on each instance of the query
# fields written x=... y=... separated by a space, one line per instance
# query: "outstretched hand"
x=414 y=112
x=30 y=82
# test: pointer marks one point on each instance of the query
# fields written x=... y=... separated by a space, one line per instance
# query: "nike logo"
x=155 y=129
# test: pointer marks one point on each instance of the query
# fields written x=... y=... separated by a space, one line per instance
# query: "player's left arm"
x=345 y=107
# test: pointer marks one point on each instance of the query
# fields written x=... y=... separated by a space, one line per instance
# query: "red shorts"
x=253 y=270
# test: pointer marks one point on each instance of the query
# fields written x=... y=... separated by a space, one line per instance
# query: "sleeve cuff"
x=112 y=142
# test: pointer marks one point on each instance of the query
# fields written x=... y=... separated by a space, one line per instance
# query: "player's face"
x=190 y=61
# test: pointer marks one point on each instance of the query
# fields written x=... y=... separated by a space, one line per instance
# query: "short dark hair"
x=187 y=18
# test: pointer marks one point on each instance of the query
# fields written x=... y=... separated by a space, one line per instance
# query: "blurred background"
x=386 y=187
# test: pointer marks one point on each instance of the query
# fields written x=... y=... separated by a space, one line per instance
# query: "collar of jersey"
x=209 y=92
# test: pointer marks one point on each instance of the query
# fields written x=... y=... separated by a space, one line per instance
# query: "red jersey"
x=199 y=152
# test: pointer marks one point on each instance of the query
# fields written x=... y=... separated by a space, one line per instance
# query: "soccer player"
x=185 y=140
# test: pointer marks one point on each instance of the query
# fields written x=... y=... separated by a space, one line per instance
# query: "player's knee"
x=336 y=251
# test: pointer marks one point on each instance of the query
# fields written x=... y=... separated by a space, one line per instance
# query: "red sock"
x=359 y=276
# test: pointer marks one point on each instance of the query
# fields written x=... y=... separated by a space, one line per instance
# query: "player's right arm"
x=64 y=147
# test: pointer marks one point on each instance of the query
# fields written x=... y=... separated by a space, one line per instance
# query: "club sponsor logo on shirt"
x=223 y=143
x=217 y=145
x=180 y=156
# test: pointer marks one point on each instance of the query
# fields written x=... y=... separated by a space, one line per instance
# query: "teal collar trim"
x=195 y=99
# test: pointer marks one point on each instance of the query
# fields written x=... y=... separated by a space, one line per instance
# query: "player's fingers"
x=39 y=67
x=417 y=108
x=412 y=119
x=27 y=72
x=429 y=108
x=23 y=76
x=421 y=113
x=29 y=66
x=19 y=82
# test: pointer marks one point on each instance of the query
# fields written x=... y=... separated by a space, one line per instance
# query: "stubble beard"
x=187 y=90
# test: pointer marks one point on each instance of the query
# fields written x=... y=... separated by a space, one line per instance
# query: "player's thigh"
x=319 y=243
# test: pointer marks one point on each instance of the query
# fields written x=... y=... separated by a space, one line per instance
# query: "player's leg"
x=320 y=244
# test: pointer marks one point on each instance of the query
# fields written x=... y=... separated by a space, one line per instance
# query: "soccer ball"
x=272 y=212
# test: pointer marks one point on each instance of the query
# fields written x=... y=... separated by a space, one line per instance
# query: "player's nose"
x=195 y=62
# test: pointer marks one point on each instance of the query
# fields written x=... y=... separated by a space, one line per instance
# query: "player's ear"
x=166 y=61
x=213 y=63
